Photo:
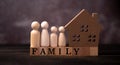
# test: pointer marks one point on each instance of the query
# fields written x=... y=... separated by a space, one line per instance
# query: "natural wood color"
x=35 y=53
x=53 y=37
x=35 y=35
x=43 y=51
x=62 y=38
x=83 y=24
x=44 y=34
x=77 y=49
x=60 y=51
x=52 y=51
x=93 y=51
x=83 y=51
x=83 y=37
x=35 y=38
x=69 y=51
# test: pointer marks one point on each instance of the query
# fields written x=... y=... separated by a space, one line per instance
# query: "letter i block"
x=60 y=51
x=34 y=51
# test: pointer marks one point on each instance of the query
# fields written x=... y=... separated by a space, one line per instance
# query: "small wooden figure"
x=35 y=35
x=44 y=34
x=62 y=39
x=53 y=37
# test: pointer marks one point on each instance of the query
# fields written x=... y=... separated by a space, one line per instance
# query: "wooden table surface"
x=19 y=55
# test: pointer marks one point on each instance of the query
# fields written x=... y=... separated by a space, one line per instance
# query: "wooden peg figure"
x=44 y=34
x=62 y=39
x=53 y=36
x=35 y=35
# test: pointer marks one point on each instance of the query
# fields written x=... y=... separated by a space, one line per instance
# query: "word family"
x=61 y=51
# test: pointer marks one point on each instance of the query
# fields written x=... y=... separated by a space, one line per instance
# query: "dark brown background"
x=17 y=15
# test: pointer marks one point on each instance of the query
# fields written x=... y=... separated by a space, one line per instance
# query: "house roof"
x=81 y=15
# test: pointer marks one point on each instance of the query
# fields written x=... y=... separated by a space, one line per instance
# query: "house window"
x=92 y=38
x=84 y=28
x=76 y=38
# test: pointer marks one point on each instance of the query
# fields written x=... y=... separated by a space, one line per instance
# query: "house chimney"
x=95 y=16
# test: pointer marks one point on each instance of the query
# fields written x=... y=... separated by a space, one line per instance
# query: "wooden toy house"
x=83 y=31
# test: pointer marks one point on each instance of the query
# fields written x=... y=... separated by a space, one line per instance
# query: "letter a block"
x=43 y=51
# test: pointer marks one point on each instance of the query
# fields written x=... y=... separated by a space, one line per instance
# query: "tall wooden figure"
x=35 y=35
x=62 y=39
x=44 y=34
x=53 y=37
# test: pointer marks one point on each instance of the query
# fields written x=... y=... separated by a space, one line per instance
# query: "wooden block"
x=68 y=51
x=93 y=51
x=75 y=51
x=63 y=51
x=34 y=51
x=81 y=51
x=60 y=51
x=52 y=51
x=43 y=51
x=85 y=51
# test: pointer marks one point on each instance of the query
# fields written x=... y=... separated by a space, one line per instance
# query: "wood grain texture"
x=80 y=27
x=62 y=51
x=93 y=51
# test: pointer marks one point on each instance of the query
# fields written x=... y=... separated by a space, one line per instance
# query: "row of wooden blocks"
x=64 y=51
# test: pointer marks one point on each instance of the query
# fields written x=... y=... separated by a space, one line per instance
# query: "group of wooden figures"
x=83 y=37
x=43 y=38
